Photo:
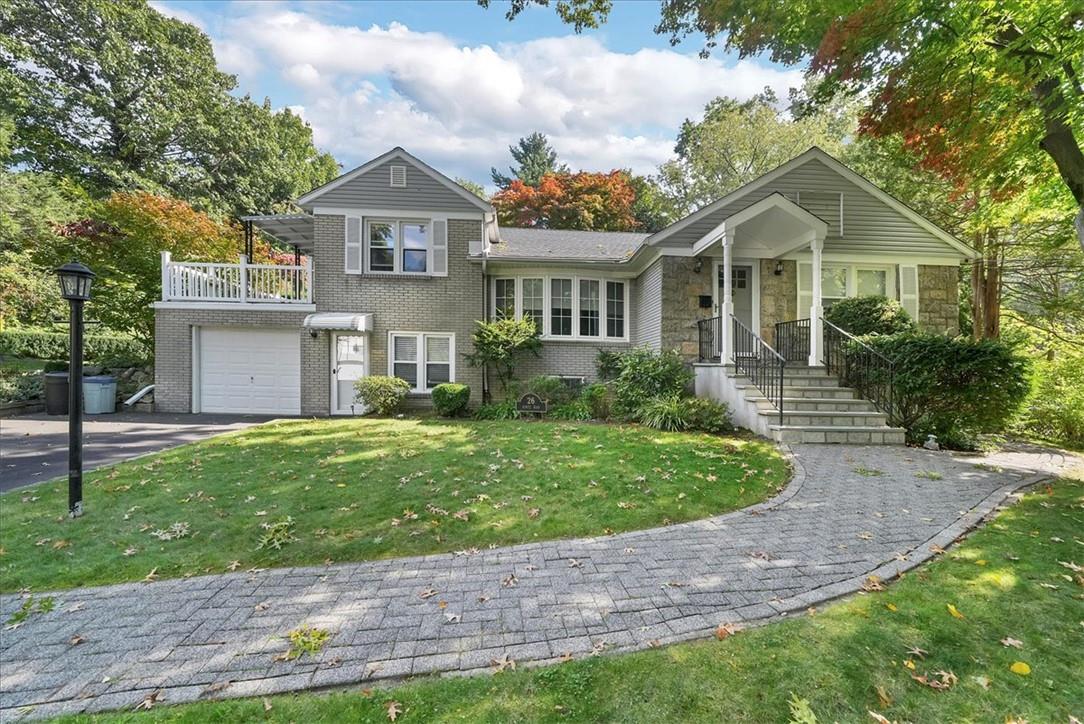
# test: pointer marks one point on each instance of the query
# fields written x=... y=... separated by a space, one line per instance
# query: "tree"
x=736 y=142
x=652 y=209
x=583 y=200
x=535 y=157
x=121 y=240
x=120 y=97
x=475 y=188
x=980 y=90
x=500 y=344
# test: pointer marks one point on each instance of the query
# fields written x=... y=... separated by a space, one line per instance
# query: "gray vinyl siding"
x=869 y=225
x=647 y=302
x=373 y=190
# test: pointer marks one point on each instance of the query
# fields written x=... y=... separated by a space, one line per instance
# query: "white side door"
x=349 y=363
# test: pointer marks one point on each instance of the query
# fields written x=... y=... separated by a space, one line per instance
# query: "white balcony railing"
x=240 y=283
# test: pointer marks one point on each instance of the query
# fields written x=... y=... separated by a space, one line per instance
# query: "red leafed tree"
x=583 y=200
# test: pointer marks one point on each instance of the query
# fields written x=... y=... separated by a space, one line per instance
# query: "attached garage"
x=246 y=370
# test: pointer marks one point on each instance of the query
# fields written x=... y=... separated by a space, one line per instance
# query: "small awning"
x=339 y=321
x=290 y=229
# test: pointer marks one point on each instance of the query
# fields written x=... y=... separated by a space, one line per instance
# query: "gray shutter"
x=909 y=289
x=438 y=251
x=353 y=245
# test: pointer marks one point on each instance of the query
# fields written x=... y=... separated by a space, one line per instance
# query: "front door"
x=349 y=360
x=741 y=290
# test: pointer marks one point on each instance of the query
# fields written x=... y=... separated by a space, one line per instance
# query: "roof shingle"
x=566 y=244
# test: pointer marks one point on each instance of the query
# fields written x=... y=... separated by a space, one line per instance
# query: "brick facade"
x=939 y=299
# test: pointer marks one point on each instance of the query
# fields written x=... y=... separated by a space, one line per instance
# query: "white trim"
x=399 y=153
x=197 y=371
x=238 y=306
x=547 y=299
x=421 y=362
x=396 y=213
x=852 y=267
x=334 y=392
x=815 y=153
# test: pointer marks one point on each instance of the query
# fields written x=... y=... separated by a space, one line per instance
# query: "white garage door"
x=250 y=370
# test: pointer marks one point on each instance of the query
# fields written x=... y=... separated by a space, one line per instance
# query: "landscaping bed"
x=310 y=492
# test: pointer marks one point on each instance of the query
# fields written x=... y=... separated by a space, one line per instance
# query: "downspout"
x=485 y=300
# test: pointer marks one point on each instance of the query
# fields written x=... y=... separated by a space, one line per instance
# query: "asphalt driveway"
x=34 y=448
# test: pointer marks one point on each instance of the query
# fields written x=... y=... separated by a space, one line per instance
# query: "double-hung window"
x=570 y=307
x=504 y=298
x=589 y=307
x=534 y=301
x=396 y=246
x=423 y=359
x=615 y=309
x=560 y=307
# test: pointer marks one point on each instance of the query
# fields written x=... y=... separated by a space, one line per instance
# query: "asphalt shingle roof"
x=565 y=244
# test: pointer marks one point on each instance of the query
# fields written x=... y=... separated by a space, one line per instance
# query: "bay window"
x=423 y=359
x=571 y=307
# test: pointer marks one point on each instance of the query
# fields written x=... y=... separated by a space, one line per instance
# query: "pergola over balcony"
x=767 y=229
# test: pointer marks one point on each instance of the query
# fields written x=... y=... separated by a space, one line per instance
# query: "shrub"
x=42 y=344
x=382 y=394
x=553 y=390
x=575 y=410
x=953 y=388
x=646 y=374
x=450 y=399
x=870 y=315
x=665 y=413
x=504 y=410
x=706 y=415
x=599 y=400
x=608 y=364
x=1055 y=408
x=500 y=345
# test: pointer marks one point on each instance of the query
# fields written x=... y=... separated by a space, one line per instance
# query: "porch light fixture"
x=779 y=268
x=698 y=265
x=75 y=281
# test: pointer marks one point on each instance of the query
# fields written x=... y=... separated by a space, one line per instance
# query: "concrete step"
x=856 y=434
x=834 y=419
x=818 y=393
x=818 y=404
x=810 y=380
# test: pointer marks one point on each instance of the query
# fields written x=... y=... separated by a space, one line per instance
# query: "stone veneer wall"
x=681 y=290
x=778 y=297
x=939 y=299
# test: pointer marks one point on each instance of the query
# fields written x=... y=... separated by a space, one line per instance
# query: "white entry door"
x=349 y=363
x=250 y=370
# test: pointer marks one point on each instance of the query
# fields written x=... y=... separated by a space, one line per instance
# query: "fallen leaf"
x=882 y=695
x=233 y=566
x=873 y=583
x=891 y=607
x=909 y=664
x=503 y=663
x=428 y=593
x=945 y=680
x=953 y=610
x=573 y=563
x=451 y=618
x=394 y=709
x=217 y=686
x=262 y=606
x=565 y=657
x=1019 y=667
x=983 y=681
x=150 y=577
x=878 y=718
x=916 y=651
x=149 y=700
x=266 y=704
x=724 y=630
x=76 y=640
x=1010 y=641
x=510 y=581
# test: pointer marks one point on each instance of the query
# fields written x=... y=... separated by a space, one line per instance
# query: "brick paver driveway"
x=217 y=636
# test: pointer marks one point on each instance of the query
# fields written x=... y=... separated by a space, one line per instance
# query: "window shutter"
x=438 y=251
x=805 y=289
x=353 y=245
x=909 y=289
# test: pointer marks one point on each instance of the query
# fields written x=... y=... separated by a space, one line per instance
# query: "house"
x=395 y=263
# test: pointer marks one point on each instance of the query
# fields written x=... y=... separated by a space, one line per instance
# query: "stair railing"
x=709 y=334
x=792 y=339
x=755 y=359
x=858 y=365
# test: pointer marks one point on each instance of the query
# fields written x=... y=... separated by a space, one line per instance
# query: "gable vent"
x=398 y=176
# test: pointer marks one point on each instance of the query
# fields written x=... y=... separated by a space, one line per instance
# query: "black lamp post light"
x=75 y=280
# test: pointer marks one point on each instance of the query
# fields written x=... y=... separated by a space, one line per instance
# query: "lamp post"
x=75 y=280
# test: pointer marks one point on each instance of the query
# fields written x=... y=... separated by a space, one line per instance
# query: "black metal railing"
x=792 y=340
x=858 y=365
x=754 y=358
x=710 y=334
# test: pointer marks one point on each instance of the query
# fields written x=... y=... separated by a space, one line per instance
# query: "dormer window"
x=398 y=177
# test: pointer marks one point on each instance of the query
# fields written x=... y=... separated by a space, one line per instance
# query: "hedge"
x=39 y=344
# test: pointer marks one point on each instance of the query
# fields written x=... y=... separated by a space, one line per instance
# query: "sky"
x=456 y=84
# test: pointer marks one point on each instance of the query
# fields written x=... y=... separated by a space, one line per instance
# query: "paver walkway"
x=217 y=636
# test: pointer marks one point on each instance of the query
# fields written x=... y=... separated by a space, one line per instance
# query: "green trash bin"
x=99 y=395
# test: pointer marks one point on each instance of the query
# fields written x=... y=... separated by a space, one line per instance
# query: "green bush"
x=41 y=344
x=1055 y=408
x=599 y=400
x=646 y=374
x=870 y=315
x=552 y=389
x=575 y=410
x=500 y=345
x=450 y=399
x=706 y=415
x=381 y=394
x=953 y=388
x=668 y=413
x=504 y=410
x=608 y=364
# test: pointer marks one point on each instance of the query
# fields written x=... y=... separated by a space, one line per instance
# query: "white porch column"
x=167 y=292
x=816 y=312
x=726 y=309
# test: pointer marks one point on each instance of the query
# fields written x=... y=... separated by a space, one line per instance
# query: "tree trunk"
x=986 y=287
x=1060 y=143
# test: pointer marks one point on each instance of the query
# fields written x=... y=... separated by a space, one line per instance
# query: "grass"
x=842 y=662
x=307 y=492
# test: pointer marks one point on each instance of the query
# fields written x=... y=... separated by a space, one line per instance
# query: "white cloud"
x=183 y=15
x=459 y=106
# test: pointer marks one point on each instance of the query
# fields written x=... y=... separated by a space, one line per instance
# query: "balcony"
x=240 y=283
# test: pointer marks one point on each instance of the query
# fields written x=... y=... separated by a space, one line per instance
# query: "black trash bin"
x=56 y=393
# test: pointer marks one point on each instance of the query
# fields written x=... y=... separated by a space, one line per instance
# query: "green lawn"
x=1010 y=581
x=358 y=489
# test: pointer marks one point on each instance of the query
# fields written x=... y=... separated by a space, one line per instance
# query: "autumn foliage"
x=561 y=200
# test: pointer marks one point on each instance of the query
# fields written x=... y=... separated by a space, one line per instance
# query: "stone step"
x=820 y=404
x=810 y=380
x=856 y=434
x=827 y=419
x=817 y=393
